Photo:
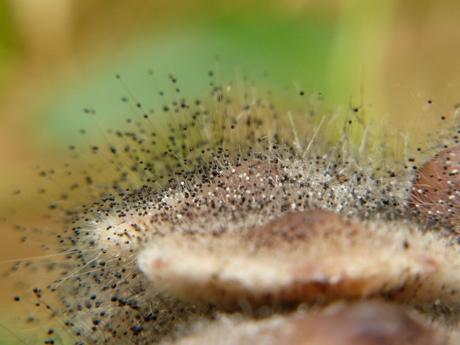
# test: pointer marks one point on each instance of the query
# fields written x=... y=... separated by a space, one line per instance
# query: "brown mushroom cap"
x=363 y=323
x=436 y=186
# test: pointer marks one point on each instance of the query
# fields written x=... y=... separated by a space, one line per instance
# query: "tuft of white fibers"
x=239 y=204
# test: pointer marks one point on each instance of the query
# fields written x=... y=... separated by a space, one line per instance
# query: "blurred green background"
x=58 y=57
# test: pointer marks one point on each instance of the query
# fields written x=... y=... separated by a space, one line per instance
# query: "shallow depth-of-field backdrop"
x=58 y=57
